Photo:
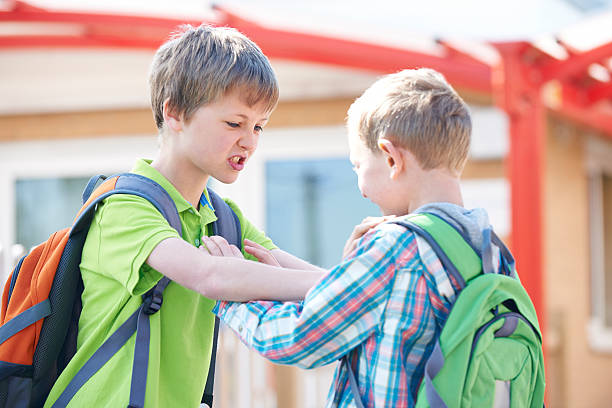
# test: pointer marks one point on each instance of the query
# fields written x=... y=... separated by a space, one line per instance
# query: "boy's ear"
x=171 y=118
x=393 y=156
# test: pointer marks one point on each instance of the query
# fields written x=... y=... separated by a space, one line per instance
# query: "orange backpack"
x=41 y=304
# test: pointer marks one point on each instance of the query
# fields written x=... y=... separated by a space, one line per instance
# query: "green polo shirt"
x=123 y=233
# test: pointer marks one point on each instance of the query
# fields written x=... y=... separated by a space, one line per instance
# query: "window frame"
x=598 y=166
x=58 y=159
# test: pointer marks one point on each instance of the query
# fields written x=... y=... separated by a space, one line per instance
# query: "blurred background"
x=536 y=75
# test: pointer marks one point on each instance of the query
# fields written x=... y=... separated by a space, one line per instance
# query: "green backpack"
x=489 y=353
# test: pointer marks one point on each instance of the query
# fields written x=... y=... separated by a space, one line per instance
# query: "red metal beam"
x=275 y=43
x=516 y=92
x=100 y=30
x=23 y=12
x=597 y=116
x=599 y=92
x=111 y=30
x=576 y=64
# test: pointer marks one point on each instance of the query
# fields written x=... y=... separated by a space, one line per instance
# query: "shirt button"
x=197 y=242
x=240 y=328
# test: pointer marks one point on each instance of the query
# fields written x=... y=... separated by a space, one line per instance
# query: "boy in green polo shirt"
x=212 y=92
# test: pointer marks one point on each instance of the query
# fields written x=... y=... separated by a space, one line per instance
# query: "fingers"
x=360 y=230
x=262 y=254
x=218 y=246
x=252 y=244
x=364 y=227
x=348 y=248
x=236 y=251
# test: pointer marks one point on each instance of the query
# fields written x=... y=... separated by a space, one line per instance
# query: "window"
x=44 y=206
x=312 y=206
x=600 y=203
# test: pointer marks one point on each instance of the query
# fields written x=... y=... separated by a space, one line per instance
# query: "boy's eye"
x=233 y=124
x=259 y=129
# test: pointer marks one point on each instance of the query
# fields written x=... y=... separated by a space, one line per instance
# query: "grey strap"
x=141 y=361
x=91 y=185
x=227 y=224
x=352 y=382
x=487 y=252
x=432 y=368
x=151 y=303
x=510 y=323
x=98 y=359
x=24 y=319
x=134 y=184
x=207 y=397
x=506 y=256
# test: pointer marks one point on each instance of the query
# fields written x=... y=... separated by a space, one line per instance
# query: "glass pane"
x=312 y=207
x=45 y=206
x=607 y=217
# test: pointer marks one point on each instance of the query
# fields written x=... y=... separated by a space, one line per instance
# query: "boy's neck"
x=189 y=182
x=445 y=192
x=434 y=186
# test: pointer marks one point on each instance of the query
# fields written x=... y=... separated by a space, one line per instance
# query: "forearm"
x=242 y=280
x=282 y=332
x=228 y=278
x=286 y=260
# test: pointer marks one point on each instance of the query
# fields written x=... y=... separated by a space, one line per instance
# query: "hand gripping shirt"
x=122 y=235
x=384 y=304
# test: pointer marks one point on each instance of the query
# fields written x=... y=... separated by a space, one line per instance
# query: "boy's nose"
x=249 y=140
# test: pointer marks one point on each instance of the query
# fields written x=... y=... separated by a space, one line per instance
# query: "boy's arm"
x=286 y=260
x=340 y=312
x=228 y=278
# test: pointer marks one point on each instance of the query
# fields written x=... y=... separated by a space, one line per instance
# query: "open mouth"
x=237 y=162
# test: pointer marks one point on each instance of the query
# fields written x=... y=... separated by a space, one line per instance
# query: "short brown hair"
x=418 y=109
x=198 y=65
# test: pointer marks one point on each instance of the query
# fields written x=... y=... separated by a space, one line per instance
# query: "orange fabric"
x=108 y=185
x=33 y=286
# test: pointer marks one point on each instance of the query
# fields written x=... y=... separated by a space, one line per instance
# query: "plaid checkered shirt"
x=384 y=304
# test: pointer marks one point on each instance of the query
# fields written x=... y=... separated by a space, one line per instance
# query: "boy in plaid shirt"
x=386 y=302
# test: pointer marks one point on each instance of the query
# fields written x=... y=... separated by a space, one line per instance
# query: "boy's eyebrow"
x=243 y=116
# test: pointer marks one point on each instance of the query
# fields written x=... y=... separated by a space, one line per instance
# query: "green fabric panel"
x=477 y=300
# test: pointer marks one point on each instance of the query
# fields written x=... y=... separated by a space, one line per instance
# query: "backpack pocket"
x=503 y=363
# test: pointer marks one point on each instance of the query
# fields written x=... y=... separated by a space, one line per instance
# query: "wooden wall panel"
x=140 y=121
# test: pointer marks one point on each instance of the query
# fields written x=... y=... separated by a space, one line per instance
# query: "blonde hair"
x=420 y=111
x=198 y=65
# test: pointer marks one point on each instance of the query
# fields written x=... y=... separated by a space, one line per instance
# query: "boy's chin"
x=227 y=179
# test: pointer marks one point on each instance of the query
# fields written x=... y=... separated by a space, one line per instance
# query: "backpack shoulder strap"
x=128 y=183
x=227 y=226
x=457 y=256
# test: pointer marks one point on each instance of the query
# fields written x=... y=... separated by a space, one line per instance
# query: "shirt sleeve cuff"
x=220 y=307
